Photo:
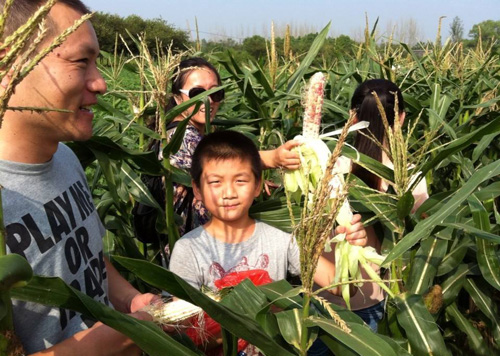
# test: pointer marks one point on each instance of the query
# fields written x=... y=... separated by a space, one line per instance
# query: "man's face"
x=67 y=79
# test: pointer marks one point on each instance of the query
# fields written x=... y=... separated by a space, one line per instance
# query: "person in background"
x=368 y=303
x=194 y=76
x=49 y=215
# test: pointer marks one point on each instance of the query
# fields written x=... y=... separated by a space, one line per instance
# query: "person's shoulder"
x=192 y=235
x=271 y=230
x=64 y=151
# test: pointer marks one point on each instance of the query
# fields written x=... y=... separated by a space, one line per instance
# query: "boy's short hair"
x=224 y=145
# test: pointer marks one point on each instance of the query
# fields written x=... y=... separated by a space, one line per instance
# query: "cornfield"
x=446 y=266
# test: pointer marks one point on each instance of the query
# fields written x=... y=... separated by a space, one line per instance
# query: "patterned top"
x=194 y=214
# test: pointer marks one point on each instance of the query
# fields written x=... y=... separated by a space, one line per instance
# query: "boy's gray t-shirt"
x=51 y=220
x=200 y=259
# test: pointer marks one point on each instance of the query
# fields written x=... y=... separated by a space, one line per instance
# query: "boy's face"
x=227 y=189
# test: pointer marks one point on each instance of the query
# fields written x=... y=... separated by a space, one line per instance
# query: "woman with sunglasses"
x=194 y=76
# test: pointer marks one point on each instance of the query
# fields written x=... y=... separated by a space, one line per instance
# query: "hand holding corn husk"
x=350 y=258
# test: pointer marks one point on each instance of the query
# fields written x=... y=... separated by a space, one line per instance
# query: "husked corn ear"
x=313 y=105
x=172 y=312
x=313 y=152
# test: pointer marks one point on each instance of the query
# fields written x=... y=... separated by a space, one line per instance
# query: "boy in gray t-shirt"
x=226 y=171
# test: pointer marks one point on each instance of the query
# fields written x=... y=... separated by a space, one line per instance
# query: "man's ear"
x=196 y=191
x=8 y=76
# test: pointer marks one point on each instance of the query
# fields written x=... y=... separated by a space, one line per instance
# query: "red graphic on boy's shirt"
x=230 y=278
x=256 y=273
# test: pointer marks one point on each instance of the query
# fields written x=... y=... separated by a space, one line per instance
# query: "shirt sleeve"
x=183 y=263
x=182 y=158
x=293 y=257
x=420 y=194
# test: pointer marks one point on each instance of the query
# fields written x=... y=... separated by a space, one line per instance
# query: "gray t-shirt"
x=51 y=220
x=200 y=259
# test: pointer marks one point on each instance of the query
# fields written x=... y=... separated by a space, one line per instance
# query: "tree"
x=256 y=46
x=488 y=31
x=107 y=26
x=456 y=30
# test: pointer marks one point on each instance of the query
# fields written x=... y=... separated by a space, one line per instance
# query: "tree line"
x=108 y=26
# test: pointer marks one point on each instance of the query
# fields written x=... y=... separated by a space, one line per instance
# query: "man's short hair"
x=22 y=10
x=225 y=145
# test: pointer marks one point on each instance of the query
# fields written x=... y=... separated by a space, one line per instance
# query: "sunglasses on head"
x=191 y=93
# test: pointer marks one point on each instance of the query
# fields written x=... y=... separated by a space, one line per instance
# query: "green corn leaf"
x=239 y=324
x=15 y=271
x=472 y=230
x=282 y=294
x=361 y=339
x=425 y=264
x=474 y=338
x=229 y=343
x=144 y=162
x=483 y=145
x=405 y=204
x=487 y=258
x=456 y=255
x=296 y=78
x=482 y=298
x=454 y=282
x=290 y=324
x=421 y=329
x=460 y=143
x=54 y=292
x=425 y=227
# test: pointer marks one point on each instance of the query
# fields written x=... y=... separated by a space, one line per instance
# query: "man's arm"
x=101 y=340
x=122 y=294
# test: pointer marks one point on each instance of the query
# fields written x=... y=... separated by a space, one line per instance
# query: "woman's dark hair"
x=364 y=104
x=224 y=145
x=185 y=68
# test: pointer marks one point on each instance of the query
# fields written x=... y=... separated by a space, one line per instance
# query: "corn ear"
x=172 y=313
x=313 y=104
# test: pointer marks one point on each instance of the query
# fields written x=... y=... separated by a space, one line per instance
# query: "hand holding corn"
x=285 y=156
x=355 y=234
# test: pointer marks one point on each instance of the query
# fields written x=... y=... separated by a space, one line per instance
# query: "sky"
x=243 y=18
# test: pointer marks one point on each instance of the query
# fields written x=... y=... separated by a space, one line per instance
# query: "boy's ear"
x=196 y=191
x=259 y=185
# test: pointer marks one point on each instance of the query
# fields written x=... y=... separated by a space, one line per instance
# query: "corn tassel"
x=314 y=156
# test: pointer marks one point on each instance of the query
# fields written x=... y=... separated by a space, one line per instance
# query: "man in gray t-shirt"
x=49 y=214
